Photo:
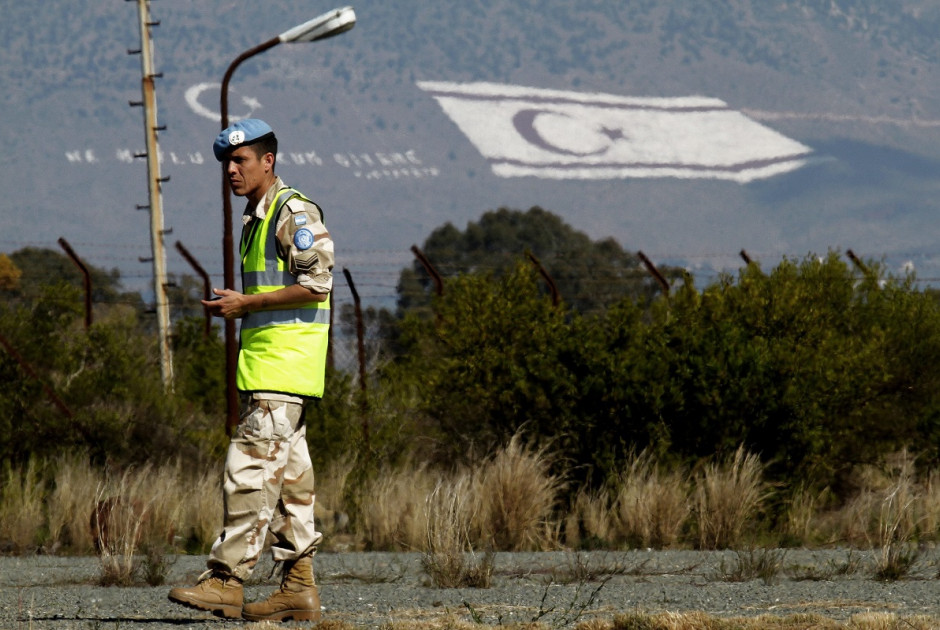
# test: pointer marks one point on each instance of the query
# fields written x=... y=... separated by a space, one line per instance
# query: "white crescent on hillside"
x=194 y=96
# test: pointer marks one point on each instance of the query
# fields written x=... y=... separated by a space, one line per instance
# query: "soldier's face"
x=247 y=173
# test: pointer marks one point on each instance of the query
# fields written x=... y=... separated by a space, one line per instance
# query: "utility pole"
x=154 y=180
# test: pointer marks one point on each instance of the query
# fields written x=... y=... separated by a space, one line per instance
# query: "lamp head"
x=327 y=25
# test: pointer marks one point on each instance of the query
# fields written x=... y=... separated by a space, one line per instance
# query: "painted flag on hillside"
x=558 y=134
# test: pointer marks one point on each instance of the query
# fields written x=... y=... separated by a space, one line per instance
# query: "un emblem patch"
x=303 y=239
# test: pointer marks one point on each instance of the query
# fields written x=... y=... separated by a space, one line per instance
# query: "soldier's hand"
x=227 y=303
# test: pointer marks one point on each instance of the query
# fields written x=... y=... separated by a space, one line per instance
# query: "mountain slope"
x=853 y=79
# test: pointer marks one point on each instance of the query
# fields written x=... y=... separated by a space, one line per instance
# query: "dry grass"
x=331 y=484
x=855 y=523
x=21 y=499
x=166 y=504
x=590 y=523
x=518 y=496
x=70 y=504
x=449 y=557
x=447 y=620
x=138 y=510
x=118 y=527
x=652 y=506
x=752 y=564
x=513 y=495
x=803 y=508
x=395 y=516
x=891 y=509
x=514 y=500
x=201 y=511
x=927 y=505
x=727 y=495
x=897 y=526
x=326 y=624
x=702 y=621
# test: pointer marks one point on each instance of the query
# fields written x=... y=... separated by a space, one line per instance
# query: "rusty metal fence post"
x=436 y=277
x=556 y=295
x=206 y=284
x=361 y=351
x=653 y=271
x=86 y=278
x=858 y=263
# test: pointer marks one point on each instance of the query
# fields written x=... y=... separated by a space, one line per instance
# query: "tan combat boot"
x=218 y=593
x=296 y=599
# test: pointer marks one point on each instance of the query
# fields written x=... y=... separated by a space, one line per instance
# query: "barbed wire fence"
x=376 y=275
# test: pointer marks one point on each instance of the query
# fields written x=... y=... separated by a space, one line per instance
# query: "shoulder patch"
x=300 y=219
x=298 y=204
x=303 y=239
x=295 y=204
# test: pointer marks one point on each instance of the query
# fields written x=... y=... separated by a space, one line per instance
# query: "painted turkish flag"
x=558 y=134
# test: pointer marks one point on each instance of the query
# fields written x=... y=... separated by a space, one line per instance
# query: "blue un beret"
x=242 y=133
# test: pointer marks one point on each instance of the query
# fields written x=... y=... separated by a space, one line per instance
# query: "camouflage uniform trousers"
x=268 y=485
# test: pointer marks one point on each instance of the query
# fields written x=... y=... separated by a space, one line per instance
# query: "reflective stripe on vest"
x=275 y=278
x=259 y=319
x=281 y=350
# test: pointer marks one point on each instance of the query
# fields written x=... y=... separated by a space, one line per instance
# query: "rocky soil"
x=558 y=588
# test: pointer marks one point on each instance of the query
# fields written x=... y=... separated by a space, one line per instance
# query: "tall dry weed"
x=331 y=483
x=651 y=506
x=202 y=510
x=518 y=496
x=21 y=507
x=802 y=510
x=928 y=506
x=855 y=523
x=138 y=509
x=330 y=492
x=165 y=491
x=590 y=521
x=887 y=501
x=449 y=556
x=393 y=509
x=117 y=524
x=897 y=526
x=727 y=496
x=71 y=503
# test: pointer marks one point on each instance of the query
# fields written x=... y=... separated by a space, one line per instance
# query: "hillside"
x=853 y=80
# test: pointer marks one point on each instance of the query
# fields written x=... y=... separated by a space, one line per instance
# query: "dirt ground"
x=558 y=589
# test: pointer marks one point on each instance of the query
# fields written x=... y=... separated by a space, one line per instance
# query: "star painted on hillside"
x=614 y=134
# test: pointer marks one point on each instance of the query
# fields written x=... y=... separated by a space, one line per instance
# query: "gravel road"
x=558 y=588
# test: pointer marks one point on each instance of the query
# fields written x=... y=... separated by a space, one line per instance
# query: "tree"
x=493 y=364
x=9 y=274
x=42 y=267
x=107 y=375
x=590 y=275
x=812 y=368
x=809 y=366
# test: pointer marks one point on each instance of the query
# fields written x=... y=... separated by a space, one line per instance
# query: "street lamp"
x=327 y=25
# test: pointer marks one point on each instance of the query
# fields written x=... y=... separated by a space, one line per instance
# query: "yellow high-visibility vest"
x=280 y=350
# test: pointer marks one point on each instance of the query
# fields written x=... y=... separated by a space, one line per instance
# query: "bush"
x=809 y=366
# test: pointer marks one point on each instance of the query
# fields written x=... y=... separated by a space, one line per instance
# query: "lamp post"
x=327 y=25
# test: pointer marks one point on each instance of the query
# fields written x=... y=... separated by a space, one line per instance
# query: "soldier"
x=287 y=262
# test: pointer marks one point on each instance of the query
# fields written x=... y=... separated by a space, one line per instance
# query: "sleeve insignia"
x=303 y=239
